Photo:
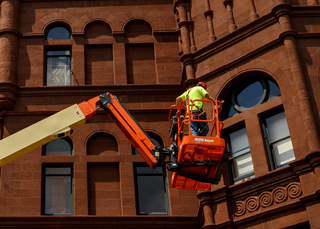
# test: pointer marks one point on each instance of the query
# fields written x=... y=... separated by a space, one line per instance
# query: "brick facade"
x=146 y=53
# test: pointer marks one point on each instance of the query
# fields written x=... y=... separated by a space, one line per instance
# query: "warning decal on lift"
x=204 y=140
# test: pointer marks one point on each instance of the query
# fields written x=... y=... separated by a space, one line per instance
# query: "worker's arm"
x=208 y=97
x=178 y=103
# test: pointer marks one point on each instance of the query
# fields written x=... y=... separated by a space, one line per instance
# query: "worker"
x=194 y=93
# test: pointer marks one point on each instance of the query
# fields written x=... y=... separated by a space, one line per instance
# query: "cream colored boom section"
x=40 y=133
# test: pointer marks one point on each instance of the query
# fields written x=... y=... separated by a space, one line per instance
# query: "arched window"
x=242 y=94
x=58 y=59
x=249 y=93
x=58 y=33
x=58 y=147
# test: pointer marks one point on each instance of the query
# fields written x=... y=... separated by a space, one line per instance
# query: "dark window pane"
x=58 y=147
x=251 y=95
x=58 y=33
x=232 y=112
x=274 y=90
x=148 y=170
x=58 y=170
x=151 y=195
x=58 y=194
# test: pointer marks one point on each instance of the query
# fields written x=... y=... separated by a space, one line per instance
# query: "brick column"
x=9 y=36
x=119 y=59
x=228 y=4
x=207 y=209
x=184 y=24
x=282 y=12
x=253 y=13
x=209 y=15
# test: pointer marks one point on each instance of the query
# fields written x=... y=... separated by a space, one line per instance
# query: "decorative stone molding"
x=267 y=199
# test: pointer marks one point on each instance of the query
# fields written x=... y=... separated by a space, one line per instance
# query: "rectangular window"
x=58 y=190
x=278 y=140
x=151 y=191
x=58 y=67
x=240 y=165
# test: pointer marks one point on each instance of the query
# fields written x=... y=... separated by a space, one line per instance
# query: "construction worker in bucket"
x=194 y=93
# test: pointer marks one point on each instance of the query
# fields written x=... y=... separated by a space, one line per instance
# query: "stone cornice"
x=96 y=90
x=252 y=28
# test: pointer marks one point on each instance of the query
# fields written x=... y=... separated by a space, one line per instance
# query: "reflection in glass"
x=280 y=140
x=250 y=95
x=242 y=165
x=283 y=152
x=241 y=161
x=58 y=71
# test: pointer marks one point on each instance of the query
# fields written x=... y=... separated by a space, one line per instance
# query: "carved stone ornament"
x=267 y=199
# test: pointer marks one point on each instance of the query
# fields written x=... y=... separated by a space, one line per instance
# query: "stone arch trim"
x=67 y=18
x=259 y=65
x=101 y=132
x=116 y=22
x=134 y=19
x=111 y=137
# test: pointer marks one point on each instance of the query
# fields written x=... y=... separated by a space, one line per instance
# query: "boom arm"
x=60 y=125
x=195 y=161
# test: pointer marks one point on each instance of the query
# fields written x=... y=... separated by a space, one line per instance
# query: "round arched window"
x=58 y=33
x=249 y=93
x=58 y=147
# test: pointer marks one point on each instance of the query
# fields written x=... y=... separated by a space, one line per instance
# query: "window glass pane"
x=283 y=152
x=58 y=71
x=277 y=127
x=58 y=170
x=242 y=165
x=239 y=142
x=151 y=190
x=148 y=170
x=58 y=53
x=58 y=194
x=274 y=90
x=58 y=33
x=251 y=95
x=232 y=112
x=58 y=147
x=154 y=141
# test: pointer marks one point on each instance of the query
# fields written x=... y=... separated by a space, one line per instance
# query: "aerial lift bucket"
x=199 y=160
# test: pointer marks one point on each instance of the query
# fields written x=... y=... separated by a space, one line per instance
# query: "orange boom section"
x=125 y=122
x=200 y=158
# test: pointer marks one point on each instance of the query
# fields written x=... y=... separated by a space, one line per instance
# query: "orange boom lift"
x=196 y=162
